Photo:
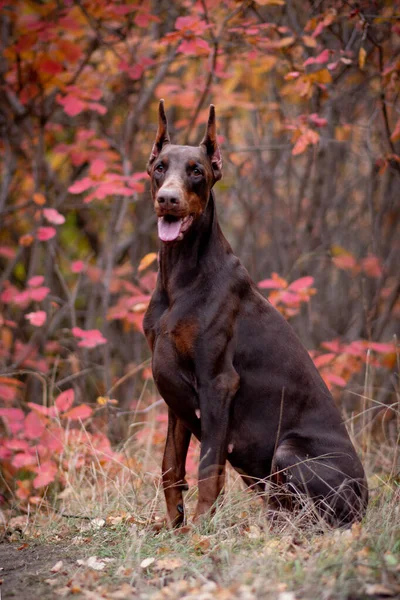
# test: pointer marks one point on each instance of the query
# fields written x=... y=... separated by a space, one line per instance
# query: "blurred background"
x=307 y=100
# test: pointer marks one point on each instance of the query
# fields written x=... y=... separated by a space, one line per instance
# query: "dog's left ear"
x=162 y=137
x=210 y=144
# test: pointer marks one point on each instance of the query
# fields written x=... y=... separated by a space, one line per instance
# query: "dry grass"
x=108 y=511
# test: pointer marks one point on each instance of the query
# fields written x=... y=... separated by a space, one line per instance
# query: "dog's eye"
x=196 y=172
x=160 y=168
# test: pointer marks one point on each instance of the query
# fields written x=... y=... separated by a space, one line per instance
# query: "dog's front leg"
x=173 y=468
x=215 y=400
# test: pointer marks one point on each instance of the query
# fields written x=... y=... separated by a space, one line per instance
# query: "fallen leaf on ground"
x=146 y=562
x=168 y=564
x=378 y=589
x=94 y=563
x=57 y=567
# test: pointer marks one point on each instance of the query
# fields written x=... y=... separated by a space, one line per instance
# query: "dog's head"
x=182 y=177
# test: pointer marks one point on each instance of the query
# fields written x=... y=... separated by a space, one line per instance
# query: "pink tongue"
x=168 y=230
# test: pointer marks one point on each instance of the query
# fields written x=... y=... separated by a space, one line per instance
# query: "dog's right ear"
x=162 y=137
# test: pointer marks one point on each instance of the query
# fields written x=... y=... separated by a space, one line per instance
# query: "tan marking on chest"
x=184 y=336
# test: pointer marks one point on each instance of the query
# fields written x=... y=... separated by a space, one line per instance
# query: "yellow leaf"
x=309 y=41
x=146 y=261
x=361 y=58
x=270 y=2
x=39 y=199
x=322 y=76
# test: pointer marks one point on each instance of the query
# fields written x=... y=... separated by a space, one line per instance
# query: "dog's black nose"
x=168 y=198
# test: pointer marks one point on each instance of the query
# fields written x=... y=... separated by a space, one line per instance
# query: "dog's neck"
x=202 y=248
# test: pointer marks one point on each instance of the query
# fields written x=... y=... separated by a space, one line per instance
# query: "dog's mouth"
x=172 y=228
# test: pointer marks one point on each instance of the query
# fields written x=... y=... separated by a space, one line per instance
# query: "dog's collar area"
x=171 y=229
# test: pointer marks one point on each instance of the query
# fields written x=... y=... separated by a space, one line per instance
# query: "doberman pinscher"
x=229 y=366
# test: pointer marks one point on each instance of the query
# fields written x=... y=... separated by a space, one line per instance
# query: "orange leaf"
x=39 y=199
x=81 y=412
x=147 y=261
x=71 y=51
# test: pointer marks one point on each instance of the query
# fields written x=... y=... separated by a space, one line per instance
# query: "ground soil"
x=24 y=569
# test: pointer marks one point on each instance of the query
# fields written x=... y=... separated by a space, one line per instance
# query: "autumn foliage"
x=308 y=113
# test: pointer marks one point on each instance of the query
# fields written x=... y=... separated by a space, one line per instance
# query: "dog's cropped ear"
x=162 y=137
x=210 y=144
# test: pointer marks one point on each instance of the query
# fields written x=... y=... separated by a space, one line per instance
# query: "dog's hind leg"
x=332 y=480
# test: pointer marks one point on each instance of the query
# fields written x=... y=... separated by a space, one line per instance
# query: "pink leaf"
x=335 y=379
x=33 y=426
x=72 y=105
x=35 y=281
x=43 y=410
x=324 y=359
x=46 y=474
x=7 y=252
x=17 y=445
x=383 y=348
x=79 y=412
x=318 y=121
x=12 y=414
x=53 y=216
x=90 y=338
x=7 y=393
x=97 y=107
x=65 y=400
x=301 y=284
x=24 y=459
x=45 y=233
x=14 y=418
x=372 y=266
x=39 y=294
x=36 y=318
x=78 y=266
x=97 y=167
x=81 y=186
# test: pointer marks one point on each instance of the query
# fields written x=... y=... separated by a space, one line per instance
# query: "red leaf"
x=50 y=66
x=71 y=51
x=79 y=412
x=45 y=233
x=81 y=186
x=65 y=400
x=33 y=426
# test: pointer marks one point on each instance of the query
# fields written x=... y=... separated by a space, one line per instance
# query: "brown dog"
x=229 y=366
